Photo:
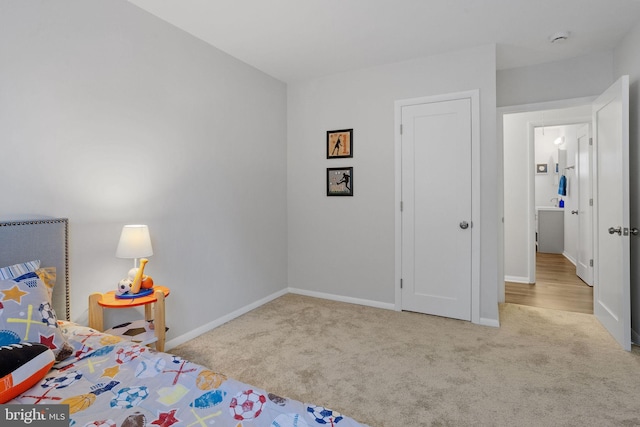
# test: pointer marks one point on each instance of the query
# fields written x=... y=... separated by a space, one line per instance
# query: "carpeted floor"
x=390 y=369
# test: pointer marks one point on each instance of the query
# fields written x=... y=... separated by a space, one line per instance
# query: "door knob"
x=615 y=230
x=464 y=225
x=574 y=212
x=635 y=231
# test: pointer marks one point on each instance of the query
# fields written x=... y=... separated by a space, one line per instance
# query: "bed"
x=106 y=380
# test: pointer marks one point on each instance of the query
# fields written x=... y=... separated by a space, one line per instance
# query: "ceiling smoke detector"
x=559 y=37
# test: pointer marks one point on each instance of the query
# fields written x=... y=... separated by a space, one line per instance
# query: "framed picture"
x=541 y=168
x=339 y=143
x=340 y=181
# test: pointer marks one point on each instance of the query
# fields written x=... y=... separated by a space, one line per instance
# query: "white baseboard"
x=569 y=257
x=239 y=312
x=495 y=323
x=340 y=298
x=221 y=321
x=516 y=279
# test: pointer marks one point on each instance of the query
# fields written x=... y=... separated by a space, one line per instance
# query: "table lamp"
x=135 y=243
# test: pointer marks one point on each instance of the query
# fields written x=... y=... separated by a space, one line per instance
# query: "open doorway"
x=610 y=204
x=541 y=223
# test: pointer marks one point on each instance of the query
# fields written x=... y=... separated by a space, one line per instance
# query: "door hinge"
x=400 y=283
x=590 y=202
x=590 y=263
x=590 y=141
x=400 y=129
x=401 y=206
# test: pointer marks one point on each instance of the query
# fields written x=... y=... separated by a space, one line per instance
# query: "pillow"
x=48 y=277
x=23 y=365
x=26 y=314
x=17 y=270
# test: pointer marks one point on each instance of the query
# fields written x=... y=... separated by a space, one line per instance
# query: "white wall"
x=587 y=75
x=345 y=246
x=546 y=185
x=110 y=116
x=627 y=61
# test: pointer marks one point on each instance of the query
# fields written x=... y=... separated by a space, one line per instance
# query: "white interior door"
x=436 y=218
x=584 y=267
x=611 y=211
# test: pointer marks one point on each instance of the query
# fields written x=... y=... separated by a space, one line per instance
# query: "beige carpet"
x=389 y=369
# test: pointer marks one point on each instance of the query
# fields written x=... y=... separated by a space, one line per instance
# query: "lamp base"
x=142 y=293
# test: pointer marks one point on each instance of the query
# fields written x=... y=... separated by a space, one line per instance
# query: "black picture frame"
x=340 y=181
x=339 y=144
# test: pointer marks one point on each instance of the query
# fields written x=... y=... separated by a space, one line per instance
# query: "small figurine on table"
x=136 y=280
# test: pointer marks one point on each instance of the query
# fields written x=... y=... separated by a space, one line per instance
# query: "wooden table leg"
x=96 y=312
x=159 y=320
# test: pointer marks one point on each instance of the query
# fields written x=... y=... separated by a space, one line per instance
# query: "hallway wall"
x=587 y=75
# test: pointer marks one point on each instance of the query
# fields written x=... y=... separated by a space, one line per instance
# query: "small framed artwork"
x=339 y=143
x=340 y=181
x=542 y=168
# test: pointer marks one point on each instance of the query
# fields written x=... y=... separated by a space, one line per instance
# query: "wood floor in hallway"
x=557 y=286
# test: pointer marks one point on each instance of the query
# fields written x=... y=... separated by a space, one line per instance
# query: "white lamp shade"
x=135 y=242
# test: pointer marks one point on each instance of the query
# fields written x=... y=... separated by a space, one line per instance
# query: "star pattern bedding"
x=108 y=381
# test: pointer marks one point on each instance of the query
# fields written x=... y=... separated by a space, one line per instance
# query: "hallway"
x=557 y=287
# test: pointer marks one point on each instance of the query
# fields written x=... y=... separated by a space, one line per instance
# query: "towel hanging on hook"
x=562 y=186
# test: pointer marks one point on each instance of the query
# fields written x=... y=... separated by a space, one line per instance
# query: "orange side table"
x=153 y=310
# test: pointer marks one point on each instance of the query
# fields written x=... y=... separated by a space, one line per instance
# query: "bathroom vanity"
x=550 y=229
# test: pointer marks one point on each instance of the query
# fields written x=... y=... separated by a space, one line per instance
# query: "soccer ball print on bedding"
x=247 y=405
x=322 y=415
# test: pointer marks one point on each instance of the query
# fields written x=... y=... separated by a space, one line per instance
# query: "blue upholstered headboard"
x=43 y=239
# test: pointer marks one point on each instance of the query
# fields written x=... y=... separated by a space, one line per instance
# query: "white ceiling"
x=301 y=39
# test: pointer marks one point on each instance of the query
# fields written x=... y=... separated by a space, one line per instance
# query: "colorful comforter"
x=112 y=382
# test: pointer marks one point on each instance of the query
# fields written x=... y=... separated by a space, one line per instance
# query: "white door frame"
x=542 y=106
x=474 y=96
x=585 y=208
